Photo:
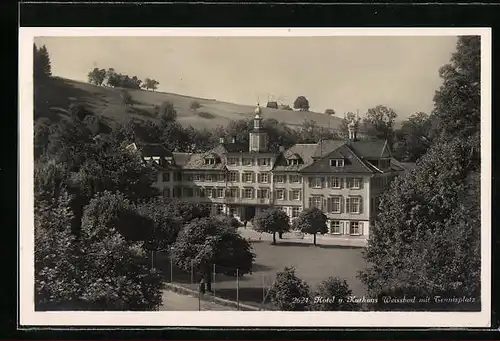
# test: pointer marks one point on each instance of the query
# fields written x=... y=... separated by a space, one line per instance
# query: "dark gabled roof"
x=352 y=162
x=325 y=147
x=303 y=151
x=197 y=160
x=371 y=149
x=181 y=159
x=151 y=149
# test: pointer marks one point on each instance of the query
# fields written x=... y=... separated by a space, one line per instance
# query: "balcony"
x=248 y=201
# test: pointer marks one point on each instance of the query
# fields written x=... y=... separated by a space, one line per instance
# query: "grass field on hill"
x=54 y=96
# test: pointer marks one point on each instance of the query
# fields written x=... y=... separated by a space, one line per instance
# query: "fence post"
x=171 y=269
x=192 y=274
x=263 y=291
x=213 y=280
x=237 y=290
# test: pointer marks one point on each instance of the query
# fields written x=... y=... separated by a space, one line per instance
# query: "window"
x=317 y=182
x=165 y=176
x=232 y=161
x=280 y=194
x=295 y=194
x=355 y=228
x=188 y=177
x=248 y=193
x=353 y=183
x=208 y=177
x=247 y=162
x=263 y=178
x=333 y=204
x=264 y=162
x=293 y=162
x=334 y=182
x=210 y=161
x=233 y=177
x=166 y=192
x=177 y=192
x=247 y=177
x=263 y=193
x=209 y=192
x=317 y=202
x=335 y=227
x=220 y=192
x=220 y=177
x=197 y=177
x=279 y=179
x=177 y=176
x=197 y=192
x=295 y=211
x=232 y=193
x=353 y=205
x=336 y=162
x=219 y=209
x=188 y=192
x=385 y=164
x=295 y=179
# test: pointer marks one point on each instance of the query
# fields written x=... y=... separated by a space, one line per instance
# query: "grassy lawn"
x=312 y=263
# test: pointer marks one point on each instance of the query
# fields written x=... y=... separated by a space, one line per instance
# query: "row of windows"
x=235 y=161
x=235 y=177
x=335 y=182
x=222 y=192
x=337 y=204
x=354 y=228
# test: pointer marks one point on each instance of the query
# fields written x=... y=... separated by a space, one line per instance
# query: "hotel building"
x=343 y=178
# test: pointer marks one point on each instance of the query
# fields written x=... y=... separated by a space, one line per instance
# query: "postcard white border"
x=27 y=314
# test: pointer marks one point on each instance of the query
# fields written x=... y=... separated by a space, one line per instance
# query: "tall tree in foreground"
x=289 y=292
x=414 y=137
x=206 y=242
x=311 y=221
x=427 y=238
x=115 y=275
x=272 y=221
x=458 y=100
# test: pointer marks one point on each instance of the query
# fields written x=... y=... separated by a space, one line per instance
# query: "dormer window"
x=293 y=162
x=210 y=161
x=336 y=162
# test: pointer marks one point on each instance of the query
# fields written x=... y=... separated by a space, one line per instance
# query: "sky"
x=344 y=73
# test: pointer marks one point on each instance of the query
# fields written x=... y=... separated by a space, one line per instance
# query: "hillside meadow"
x=54 y=96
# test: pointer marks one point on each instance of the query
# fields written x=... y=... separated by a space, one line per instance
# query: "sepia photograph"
x=232 y=176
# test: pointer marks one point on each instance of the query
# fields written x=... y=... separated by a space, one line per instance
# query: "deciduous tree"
x=272 y=221
x=333 y=294
x=289 y=292
x=301 y=103
x=312 y=221
x=204 y=242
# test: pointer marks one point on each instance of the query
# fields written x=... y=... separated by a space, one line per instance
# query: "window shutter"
x=329 y=205
x=341 y=182
x=323 y=207
x=323 y=182
x=342 y=228
x=361 y=228
x=300 y=195
x=347 y=206
x=360 y=204
x=310 y=201
x=310 y=181
x=284 y=194
x=361 y=184
x=253 y=177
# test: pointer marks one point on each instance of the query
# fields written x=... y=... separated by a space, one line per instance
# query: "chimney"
x=282 y=149
x=221 y=140
x=233 y=139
